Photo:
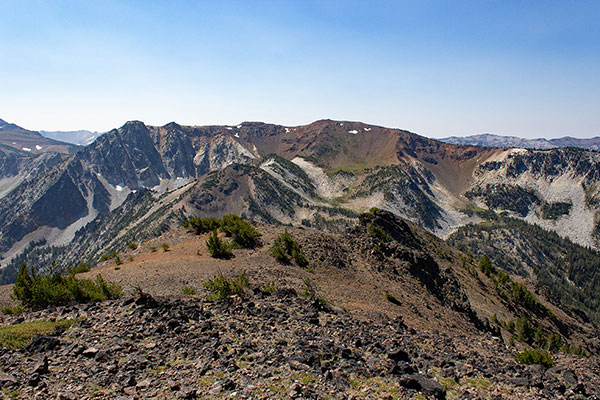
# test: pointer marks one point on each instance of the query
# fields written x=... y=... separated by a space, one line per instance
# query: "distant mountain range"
x=68 y=204
x=490 y=140
x=80 y=138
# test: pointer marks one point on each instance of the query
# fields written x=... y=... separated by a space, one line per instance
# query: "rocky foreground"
x=269 y=345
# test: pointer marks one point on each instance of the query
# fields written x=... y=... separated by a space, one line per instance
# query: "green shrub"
x=153 y=248
x=165 y=246
x=202 y=225
x=241 y=232
x=524 y=330
x=554 y=342
x=221 y=287
x=109 y=256
x=133 y=245
x=12 y=310
x=519 y=294
x=217 y=247
x=575 y=350
x=392 y=299
x=188 y=290
x=378 y=233
x=510 y=326
x=534 y=356
x=37 y=291
x=270 y=287
x=503 y=277
x=81 y=268
x=486 y=266
x=18 y=336
x=286 y=249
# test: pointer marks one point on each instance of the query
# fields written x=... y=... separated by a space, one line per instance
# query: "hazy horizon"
x=435 y=68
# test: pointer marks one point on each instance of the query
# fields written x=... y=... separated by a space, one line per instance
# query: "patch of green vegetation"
x=165 y=246
x=556 y=210
x=221 y=287
x=508 y=197
x=349 y=169
x=270 y=287
x=480 y=383
x=486 y=266
x=241 y=232
x=132 y=245
x=37 y=291
x=18 y=336
x=158 y=370
x=286 y=249
x=217 y=247
x=12 y=310
x=81 y=268
x=153 y=248
x=202 y=225
x=392 y=299
x=11 y=393
x=519 y=294
x=109 y=256
x=189 y=291
x=566 y=271
x=534 y=356
x=575 y=350
x=378 y=233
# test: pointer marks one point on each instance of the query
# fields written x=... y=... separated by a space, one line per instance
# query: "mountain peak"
x=173 y=125
x=8 y=125
x=133 y=124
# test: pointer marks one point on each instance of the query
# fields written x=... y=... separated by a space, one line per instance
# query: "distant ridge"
x=80 y=137
x=491 y=140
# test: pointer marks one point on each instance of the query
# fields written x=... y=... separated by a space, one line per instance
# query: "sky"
x=437 y=68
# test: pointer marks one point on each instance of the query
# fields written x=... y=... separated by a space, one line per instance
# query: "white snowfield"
x=26 y=149
x=38 y=147
x=354 y=131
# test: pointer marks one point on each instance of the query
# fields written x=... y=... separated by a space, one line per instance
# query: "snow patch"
x=239 y=126
x=367 y=129
x=229 y=128
x=38 y=147
x=354 y=132
x=237 y=135
x=26 y=149
x=119 y=188
x=287 y=130
x=341 y=124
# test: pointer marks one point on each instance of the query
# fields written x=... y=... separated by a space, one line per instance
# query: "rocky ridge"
x=268 y=346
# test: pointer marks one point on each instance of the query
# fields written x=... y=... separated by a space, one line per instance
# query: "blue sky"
x=438 y=68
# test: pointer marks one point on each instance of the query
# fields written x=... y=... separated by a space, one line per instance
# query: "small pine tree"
x=217 y=247
x=524 y=330
x=486 y=266
x=286 y=249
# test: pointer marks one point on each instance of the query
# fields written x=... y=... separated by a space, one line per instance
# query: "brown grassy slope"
x=352 y=270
